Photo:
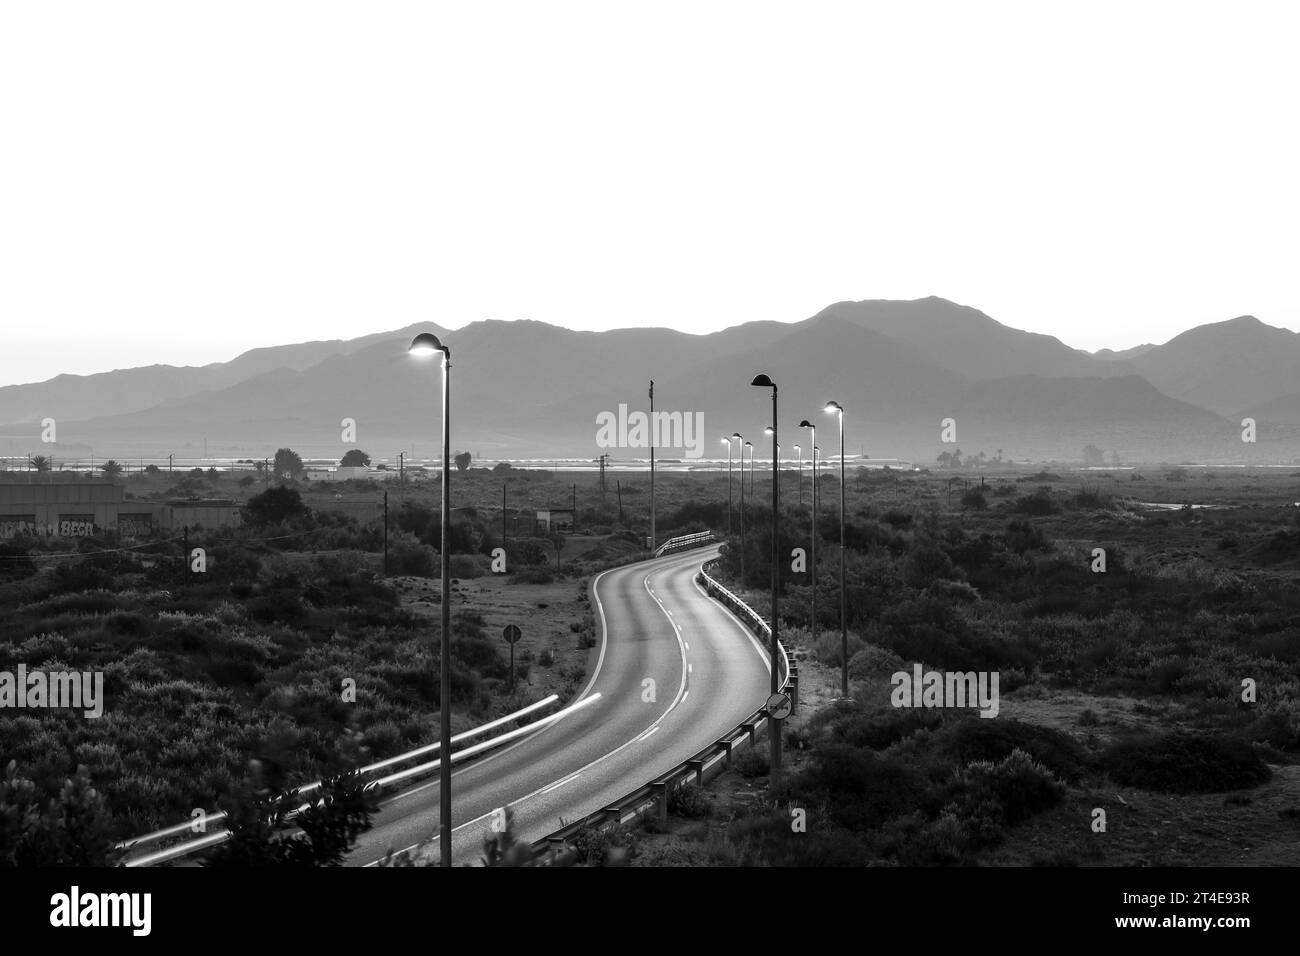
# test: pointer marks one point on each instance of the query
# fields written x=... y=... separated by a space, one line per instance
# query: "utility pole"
x=385 y=533
x=503 y=510
x=575 y=504
x=619 y=484
x=401 y=472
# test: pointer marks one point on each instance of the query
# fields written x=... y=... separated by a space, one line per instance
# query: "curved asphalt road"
x=709 y=673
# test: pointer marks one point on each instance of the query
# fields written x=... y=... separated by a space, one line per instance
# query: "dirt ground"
x=544 y=614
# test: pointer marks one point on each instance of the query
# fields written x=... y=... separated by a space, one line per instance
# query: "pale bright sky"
x=181 y=181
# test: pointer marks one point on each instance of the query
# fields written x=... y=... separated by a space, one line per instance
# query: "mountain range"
x=526 y=389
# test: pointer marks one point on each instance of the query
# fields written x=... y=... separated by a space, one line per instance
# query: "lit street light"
x=835 y=408
x=812 y=543
x=740 y=438
x=750 y=446
x=727 y=441
x=763 y=381
x=426 y=344
x=798 y=451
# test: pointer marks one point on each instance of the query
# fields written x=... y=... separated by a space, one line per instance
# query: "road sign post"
x=778 y=708
x=512 y=634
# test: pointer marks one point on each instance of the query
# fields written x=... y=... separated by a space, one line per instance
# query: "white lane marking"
x=648 y=733
x=563 y=715
x=681 y=696
x=600 y=661
x=688 y=646
x=560 y=783
x=690 y=668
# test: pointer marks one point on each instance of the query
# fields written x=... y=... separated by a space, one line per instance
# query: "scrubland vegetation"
x=1124 y=680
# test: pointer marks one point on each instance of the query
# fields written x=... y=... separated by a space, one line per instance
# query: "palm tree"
x=40 y=462
x=111 y=468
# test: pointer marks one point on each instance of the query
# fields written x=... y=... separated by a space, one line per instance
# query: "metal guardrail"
x=683 y=542
x=699 y=768
x=702 y=765
x=220 y=836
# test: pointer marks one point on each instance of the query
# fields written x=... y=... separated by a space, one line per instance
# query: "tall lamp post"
x=652 y=467
x=835 y=408
x=798 y=452
x=426 y=344
x=727 y=441
x=750 y=446
x=740 y=438
x=812 y=541
x=763 y=381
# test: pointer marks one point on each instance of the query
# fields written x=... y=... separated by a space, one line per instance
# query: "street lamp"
x=740 y=438
x=423 y=345
x=812 y=542
x=798 y=451
x=727 y=441
x=750 y=446
x=835 y=408
x=764 y=381
x=770 y=432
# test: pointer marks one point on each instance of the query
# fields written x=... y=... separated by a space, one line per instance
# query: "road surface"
x=674 y=672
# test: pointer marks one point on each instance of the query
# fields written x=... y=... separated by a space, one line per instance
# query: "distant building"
x=341 y=473
x=35 y=504
x=553 y=520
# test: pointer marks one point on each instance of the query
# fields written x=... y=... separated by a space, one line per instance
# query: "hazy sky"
x=180 y=181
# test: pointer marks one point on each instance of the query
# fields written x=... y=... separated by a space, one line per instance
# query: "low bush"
x=1009 y=792
x=970 y=739
x=751 y=762
x=690 y=801
x=1180 y=762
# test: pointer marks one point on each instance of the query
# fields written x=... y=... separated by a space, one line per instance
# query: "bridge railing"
x=375 y=778
x=703 y=766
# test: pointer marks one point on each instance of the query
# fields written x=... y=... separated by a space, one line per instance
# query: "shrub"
x=859 y=787
x=1039 y=503
x=1180 y=762
x=273 y=506
x=690 y=801
x=872 y=661
x=1011 y=791
x=829 y=647
x=1021 y=536
x=916 y=841
x=406 y=555
x=880 y=729
x=927 y=563
x=976 y=738
x=465 y=566
x=974 y=498
x=751 y=762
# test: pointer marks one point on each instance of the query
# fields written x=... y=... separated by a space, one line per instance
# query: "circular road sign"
x=778 y=705
x=511 y=633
